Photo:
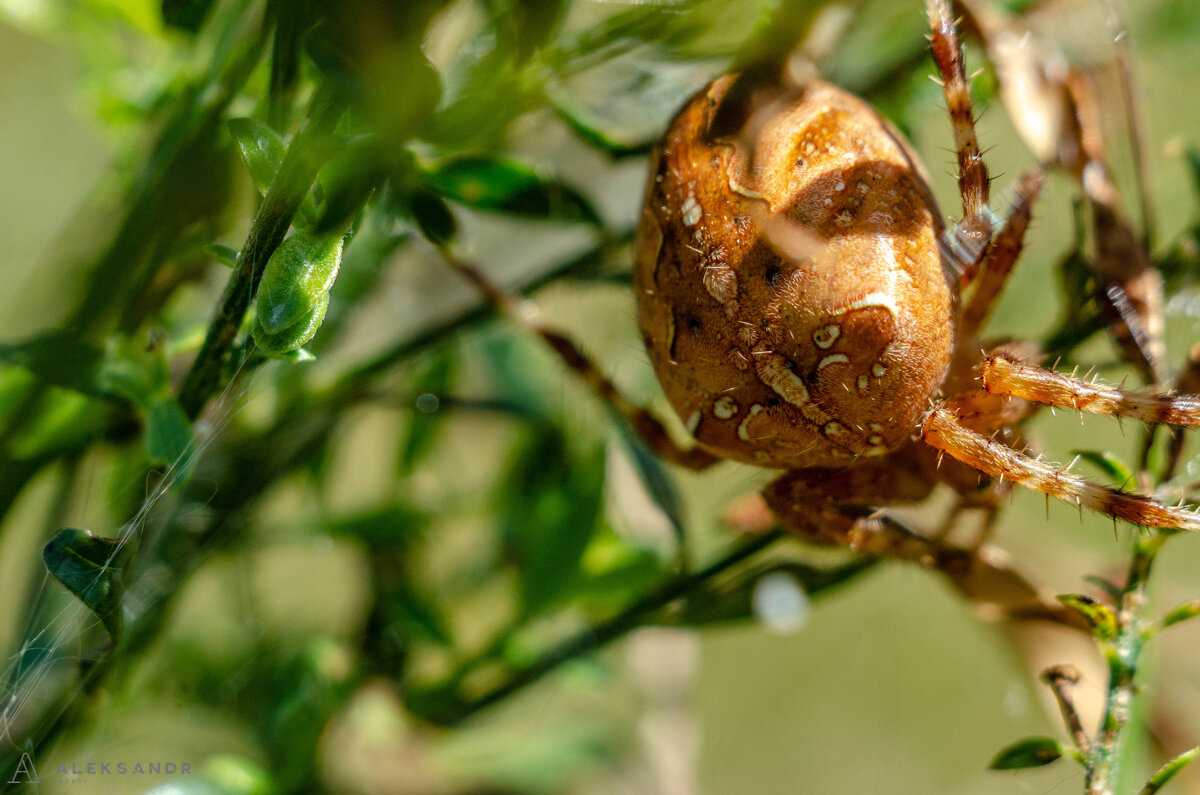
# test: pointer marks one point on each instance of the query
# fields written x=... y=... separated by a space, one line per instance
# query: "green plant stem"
x=286 y=192
x=1123 y=655
x=600 y=635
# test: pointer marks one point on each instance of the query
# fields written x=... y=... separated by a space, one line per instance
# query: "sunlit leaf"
x=261 y=148
x=486 y=183
x=1098 y=615
x=1168 y=771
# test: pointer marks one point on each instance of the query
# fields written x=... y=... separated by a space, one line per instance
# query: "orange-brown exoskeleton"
x=805 y=308
x=800 y=299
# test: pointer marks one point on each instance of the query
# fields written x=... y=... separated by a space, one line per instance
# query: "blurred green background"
x=339 y=566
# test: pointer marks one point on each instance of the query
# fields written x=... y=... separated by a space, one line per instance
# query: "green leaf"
x=656 y=480
x=168 y=434
x=1098 y=615
x=59 y=359
x=261 y=148
x=604 y=140
x=237 y=775
x=433 y=217
x=185 y=15
x=549 y=506
x=1183 y=612
x=1108 y=463
x=485 y=183
x=1169 y=771
x=226 y=255
x=1030 y=752
x=1111 y=590
x=92 y=568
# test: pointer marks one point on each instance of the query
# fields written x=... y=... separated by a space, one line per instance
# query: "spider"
x=805 y=308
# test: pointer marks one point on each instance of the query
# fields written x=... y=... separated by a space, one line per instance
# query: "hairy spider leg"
x=648 y=427
x=1006 y=376
x=974 y=232
x=943 y=431
x=831 y=505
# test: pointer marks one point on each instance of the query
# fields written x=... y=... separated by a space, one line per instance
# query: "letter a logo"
x=25 y=768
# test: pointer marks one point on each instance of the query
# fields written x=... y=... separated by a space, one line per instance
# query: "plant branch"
x=286 y=192
x=1123 y=655
x=1062 y=679
x=599 y=635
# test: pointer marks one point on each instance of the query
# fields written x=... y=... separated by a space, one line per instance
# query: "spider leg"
x=1001 y=256
x=942 y=430
x=974 y=231
x=645 y=424
x=1006 y=376
x=831 y=505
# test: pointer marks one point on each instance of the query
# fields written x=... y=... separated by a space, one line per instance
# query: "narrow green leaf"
x=1169 y=771
x=261 y=148
x=433 y=217
x=603 y=140
x=657 y=482
x=92 y=568
x=1111 y=590
x=1111 y=465
x=485 y=183
x=168 y=434
x=1030 y=752
x=1100 y=616
x=1181 y=613
x=226 y=255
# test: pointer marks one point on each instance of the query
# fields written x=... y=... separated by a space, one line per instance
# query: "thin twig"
x=600 y=635
x=1062 y=679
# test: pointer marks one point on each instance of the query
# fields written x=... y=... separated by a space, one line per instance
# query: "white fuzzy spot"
x=863 y=383
x=693 y=422
x=833 y=359
x=743 y=430
x=825 y=336
x=690 y=211
x=724 y=408
x=878 y=370
x=780 y=604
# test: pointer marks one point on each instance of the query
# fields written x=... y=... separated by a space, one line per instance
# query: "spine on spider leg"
x=1004 y=376
x=972 y=172
x=943 y=431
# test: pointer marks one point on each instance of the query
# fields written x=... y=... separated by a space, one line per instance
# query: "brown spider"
x=801 y=302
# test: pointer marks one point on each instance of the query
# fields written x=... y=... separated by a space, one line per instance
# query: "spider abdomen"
x=791 y=291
